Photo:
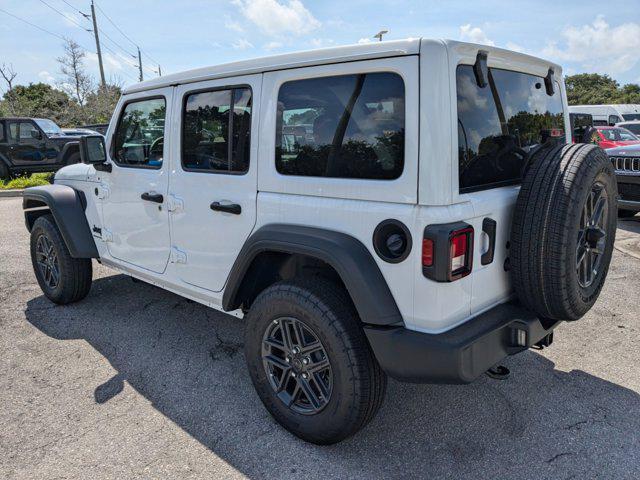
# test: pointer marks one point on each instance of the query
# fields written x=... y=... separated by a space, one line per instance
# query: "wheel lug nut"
x=293 y=374
x=305 y=375
x=296 y=350
x=288 y=360
x=305 y=361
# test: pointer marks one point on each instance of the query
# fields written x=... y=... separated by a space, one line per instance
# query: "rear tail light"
x=461 y=253
x=447 y=251
x=427 y=252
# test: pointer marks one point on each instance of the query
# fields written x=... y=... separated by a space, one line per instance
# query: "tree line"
x=77 y=99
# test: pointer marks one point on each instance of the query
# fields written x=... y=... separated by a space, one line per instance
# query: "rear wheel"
x=62 y=278
x=563 y=231
x=4 y=171
x=310 y=362
x=73 y=158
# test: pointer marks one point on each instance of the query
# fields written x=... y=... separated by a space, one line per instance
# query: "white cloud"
x=46 y=77
x=474 y=35
x=231 y=24
x=321 y=42
x=599 y=46
x=365 y=40
x=242 y=44
x=276 y=18
x=273 y=45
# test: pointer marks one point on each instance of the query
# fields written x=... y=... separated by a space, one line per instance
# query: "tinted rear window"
x=500 y=125
x=348 y=126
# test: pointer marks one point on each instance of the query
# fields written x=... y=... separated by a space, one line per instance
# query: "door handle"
x=152 y=197
x=233 y=208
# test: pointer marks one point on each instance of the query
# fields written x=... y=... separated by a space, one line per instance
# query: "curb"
x=10 y=193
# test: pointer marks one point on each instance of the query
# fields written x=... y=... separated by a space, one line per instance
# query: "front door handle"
x=233 y=208
x=152 y=197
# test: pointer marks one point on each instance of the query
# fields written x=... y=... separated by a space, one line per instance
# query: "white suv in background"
x=409 y=208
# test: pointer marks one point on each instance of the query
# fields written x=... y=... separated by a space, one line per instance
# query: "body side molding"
x=67 y=207
x=348 y=256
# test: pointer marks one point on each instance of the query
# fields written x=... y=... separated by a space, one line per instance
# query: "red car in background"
x=611 y=137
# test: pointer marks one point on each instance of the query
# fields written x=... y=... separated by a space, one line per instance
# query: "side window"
x=348 y=126
x=28 y=132
x=613 y=119
x=13 y=131
x=499 y=126
x=139 y=136
x=216 y=130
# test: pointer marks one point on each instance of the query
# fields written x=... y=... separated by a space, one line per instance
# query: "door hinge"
x=175 y=204
x=102 y=191
x=178 y=256
x=106 y=235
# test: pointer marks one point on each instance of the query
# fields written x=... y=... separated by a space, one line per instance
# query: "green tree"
x=595 y=89
x=42 y=100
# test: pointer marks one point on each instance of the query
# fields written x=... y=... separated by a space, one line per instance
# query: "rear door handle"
x=233 y=208
x=152 y=197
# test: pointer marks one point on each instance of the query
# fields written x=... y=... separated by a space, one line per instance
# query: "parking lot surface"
x=136 y=382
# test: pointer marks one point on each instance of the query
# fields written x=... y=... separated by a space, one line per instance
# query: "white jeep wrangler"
x=409 y=208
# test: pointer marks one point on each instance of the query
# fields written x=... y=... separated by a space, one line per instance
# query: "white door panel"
x=139 y=229
x=207 y=241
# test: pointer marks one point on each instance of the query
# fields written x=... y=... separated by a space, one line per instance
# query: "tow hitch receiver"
x=545 y=341
x=498 y=372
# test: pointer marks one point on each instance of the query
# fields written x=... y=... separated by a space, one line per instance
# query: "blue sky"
x=583 y=36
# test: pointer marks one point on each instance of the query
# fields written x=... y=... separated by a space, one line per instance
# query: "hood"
x=625 y=150
x=76 y=171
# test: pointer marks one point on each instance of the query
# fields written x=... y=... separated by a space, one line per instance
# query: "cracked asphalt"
x=136 y=382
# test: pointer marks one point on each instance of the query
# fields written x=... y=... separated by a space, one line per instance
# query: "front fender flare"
x=348 y=256
x=67 y=206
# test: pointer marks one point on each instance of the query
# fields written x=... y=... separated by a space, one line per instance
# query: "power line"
x=125 y=35
x=40 y=28
x=64 y=16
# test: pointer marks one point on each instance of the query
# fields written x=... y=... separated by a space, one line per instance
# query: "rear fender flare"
x=351 y=260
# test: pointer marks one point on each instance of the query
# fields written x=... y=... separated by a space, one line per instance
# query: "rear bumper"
x=459 y=355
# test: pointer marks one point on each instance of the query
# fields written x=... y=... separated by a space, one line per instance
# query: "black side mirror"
x=94 y=152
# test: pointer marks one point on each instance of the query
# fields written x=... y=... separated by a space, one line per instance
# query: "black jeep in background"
x=29 y=145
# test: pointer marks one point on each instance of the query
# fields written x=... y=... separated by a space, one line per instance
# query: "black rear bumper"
x=459 y=355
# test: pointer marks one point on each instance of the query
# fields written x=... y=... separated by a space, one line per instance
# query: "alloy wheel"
x=47 y=260
x=592 y=236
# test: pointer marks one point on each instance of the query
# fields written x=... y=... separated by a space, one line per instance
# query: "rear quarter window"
x=502 y=124
x=347 y=126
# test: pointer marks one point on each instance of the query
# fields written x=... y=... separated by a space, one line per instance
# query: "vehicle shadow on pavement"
x=187 y=360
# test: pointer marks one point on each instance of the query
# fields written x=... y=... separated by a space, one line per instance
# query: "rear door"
x=27 y=144
x=136 y=220
x=213 y=184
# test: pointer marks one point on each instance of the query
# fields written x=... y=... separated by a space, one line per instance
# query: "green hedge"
x=27 y=181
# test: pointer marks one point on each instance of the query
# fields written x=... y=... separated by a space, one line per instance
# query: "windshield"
x=631 y=116
x=48 y=126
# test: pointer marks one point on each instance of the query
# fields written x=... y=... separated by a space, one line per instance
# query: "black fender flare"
x=348 y=256
x=67 y=151
x=67 y=206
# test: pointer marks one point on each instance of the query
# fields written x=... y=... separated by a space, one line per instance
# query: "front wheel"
x=62 y=278
x=310 y=361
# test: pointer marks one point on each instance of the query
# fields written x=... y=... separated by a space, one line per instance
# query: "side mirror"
x=36 y=134
x=93 y=151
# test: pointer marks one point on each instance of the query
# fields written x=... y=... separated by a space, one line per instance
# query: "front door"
x=214 y=179
x=27 y=144
x=135 y=217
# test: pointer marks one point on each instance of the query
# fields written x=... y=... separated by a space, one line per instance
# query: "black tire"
x=548 y=238
x=626 y=213
x=74 y=274
x=358 y=383
x=73 y=158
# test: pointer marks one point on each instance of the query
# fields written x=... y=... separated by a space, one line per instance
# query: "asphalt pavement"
x=136 y=382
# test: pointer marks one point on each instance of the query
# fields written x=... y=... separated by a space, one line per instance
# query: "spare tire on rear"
x=563 y=230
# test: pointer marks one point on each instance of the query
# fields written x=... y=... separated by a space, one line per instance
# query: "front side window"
x=28 y=132
x=348 y=126
x=613 y=119
x=500 y=125
x=139 y=137
x=216 y=129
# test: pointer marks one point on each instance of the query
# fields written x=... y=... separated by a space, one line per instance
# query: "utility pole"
x=380 y=34
x=95 y=32
x=159 y=71
x=139 y=63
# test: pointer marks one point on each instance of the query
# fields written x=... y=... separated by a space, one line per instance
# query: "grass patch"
x=27 y=181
